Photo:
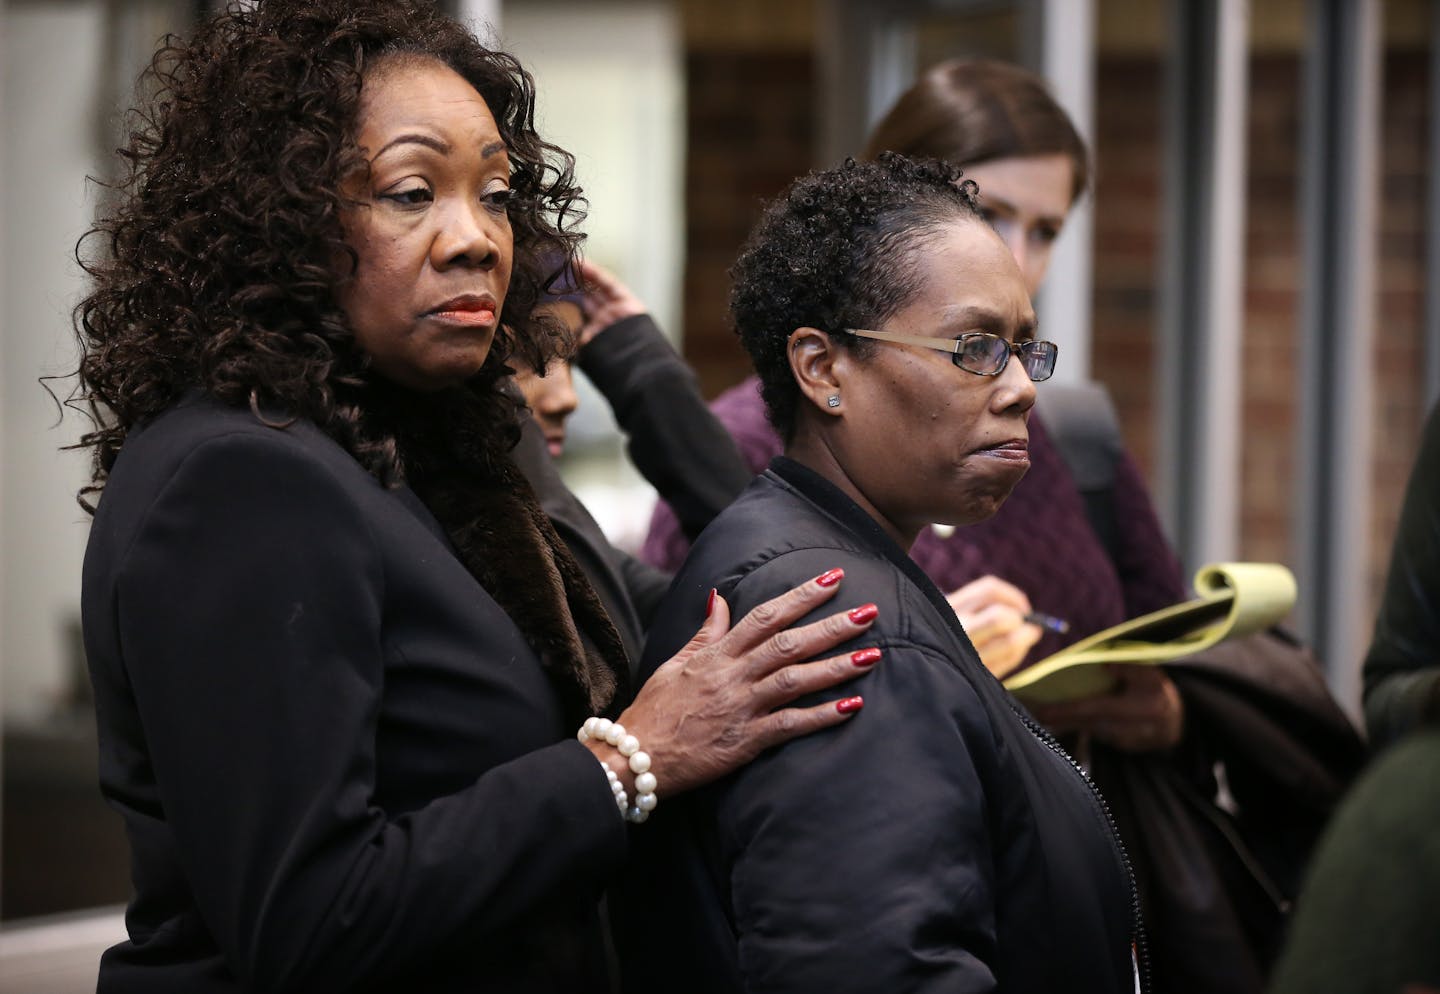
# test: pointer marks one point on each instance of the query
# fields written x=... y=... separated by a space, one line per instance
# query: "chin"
x=452 y=376
x=975 y=509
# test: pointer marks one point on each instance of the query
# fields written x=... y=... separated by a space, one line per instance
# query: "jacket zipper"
x=1137 y=923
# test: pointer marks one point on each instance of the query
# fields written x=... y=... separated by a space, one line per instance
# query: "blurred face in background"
x=552 y=400
x=1026 y=199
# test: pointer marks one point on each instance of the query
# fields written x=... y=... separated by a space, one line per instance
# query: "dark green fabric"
x=1368 y=919
x=1402 y=668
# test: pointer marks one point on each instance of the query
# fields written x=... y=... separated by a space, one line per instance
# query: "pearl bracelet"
x=629 y=746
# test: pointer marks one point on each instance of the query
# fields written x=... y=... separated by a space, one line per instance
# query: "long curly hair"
x=836 y=250
x=216 y=268
x=219 y=265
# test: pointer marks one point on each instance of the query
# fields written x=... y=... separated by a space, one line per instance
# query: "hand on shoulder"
x=721 y=700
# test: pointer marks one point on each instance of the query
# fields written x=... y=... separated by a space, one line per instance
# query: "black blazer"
x=339 y=763
x=939 y=841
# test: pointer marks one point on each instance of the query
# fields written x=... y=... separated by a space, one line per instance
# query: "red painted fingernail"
x=710 y=602
x=866 y=657
x=829 y=578
x=850 y=704
x=864 y=614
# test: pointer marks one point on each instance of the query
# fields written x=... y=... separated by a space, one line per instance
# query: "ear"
x=813 y=360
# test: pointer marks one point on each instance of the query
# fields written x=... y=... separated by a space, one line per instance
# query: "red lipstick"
x=477 y=309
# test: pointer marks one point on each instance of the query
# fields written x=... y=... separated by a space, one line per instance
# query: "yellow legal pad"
x=1233 y=599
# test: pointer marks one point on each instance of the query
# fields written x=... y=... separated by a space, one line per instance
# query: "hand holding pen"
x=995 y=614
x=1048 y=622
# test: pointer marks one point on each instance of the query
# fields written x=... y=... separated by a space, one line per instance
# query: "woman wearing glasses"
x=1001 y=125
x=946 y=842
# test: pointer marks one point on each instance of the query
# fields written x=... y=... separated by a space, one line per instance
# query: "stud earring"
x=833 y=400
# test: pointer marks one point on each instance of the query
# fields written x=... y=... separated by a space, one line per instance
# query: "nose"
x=468 y=235
x=1014 y=390
x=559 y=399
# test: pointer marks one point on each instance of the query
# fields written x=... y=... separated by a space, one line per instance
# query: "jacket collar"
x=836 y=503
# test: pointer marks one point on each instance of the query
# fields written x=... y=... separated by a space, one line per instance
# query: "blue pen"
x=1048 y=621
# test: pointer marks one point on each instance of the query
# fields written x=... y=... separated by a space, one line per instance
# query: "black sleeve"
x=829 y=845
x=675 y=441
x=1402 y=668
x=251 y=607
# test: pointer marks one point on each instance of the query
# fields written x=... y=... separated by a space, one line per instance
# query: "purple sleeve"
x=742 y=412
x=1149 y=570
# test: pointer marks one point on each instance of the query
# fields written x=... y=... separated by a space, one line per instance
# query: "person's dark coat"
x=939 y=841
x=340 y=764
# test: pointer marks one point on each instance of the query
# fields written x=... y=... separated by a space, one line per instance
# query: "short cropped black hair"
x=836 y=250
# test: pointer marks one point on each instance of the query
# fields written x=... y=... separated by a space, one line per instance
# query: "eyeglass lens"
x=987 y=355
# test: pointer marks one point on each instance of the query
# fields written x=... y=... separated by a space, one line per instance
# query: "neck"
x=815 y=450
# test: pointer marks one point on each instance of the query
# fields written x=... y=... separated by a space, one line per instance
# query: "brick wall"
x=1128 y=101
x=1400 y=292
x=1272 y=247
x=750 y=131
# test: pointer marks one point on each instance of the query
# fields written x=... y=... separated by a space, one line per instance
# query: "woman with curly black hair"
x=945 y=841
x=339 y=654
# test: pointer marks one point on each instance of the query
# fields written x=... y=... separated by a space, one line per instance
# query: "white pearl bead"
x=628 y=746
x=636 y=817
x=615 y=733
x=640 y=762
x=590 y=724
x=621 y=801
x=645 y=783
x=602 y=726
x=610 y=775
x=646 y=802
x=583 y=735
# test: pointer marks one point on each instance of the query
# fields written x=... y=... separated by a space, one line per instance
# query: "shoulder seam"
x=284 y=442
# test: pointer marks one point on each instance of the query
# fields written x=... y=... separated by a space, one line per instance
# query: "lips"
x=473 y=309
x=1017 y=449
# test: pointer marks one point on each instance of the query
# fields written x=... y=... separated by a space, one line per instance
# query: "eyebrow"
x=999 y=203
x=429 y=141
x=972 y=316
x=439 y=145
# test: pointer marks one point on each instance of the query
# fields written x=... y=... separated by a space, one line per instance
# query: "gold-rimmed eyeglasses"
x=979 y=352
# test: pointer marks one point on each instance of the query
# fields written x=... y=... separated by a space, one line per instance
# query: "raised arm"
x=674 y=440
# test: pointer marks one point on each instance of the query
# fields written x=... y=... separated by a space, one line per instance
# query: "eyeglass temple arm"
x=938 y=344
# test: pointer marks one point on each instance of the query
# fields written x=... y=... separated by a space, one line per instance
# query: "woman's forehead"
x=424 y=96
x=966 y=267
